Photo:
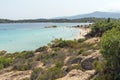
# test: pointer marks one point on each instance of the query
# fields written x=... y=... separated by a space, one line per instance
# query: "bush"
x=99 y=66
x=5 y=62
x=49 y=74
x=23 y=61
x=81 y=51
x=36 y=73
x=102 y=26
x=59 y=64
x=52 y=74
x=64 y=43
x=81 y=40
x=50 y=58
x=41 y=49
x=110 y=48
x=25 y=54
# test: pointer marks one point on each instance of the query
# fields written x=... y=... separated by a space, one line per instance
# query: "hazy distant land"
x=90 y=17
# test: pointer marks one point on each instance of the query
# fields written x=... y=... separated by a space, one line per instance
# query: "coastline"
x=83 y=32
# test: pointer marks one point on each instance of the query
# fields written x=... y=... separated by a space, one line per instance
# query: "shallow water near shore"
x=29 y=36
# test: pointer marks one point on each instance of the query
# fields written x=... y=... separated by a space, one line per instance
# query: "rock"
x=93 y=40
x=3 y=52
x=72 y=60
x=87 y=62
x=15 y=75
x=76 y=60
x=66 y=60
x=86 y=53
x=78 y=75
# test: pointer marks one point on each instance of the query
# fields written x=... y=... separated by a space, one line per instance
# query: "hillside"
x=96 y=14
x=95 y=57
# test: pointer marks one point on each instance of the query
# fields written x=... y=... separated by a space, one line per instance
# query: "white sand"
x=83 y=32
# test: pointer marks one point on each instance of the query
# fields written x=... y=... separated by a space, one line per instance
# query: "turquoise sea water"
x=29 y=36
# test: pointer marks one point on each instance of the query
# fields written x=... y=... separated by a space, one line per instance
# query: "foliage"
x=51 y=73
x=23 y=61
x=110 y=48
x=49 y=58
x=25 y=54
x=5 y=62
x=81 y=51
x=36 y=73
x=99 y=27
x=64 y=43
x=44 y=48
x=81 y=40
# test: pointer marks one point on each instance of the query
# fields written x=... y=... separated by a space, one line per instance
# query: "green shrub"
x=5 y=62
x=102 y=26
x=50 y=58
x=25 y=54
x=110 y=48
x=51 y=73
x=81 y=51
x=64 y=43
x=24 y=61
x=81 y=40
x=59 y=64
x=37 y=73
x=99 y=66
x=23 y=64
x=41 y=49
x=104 y=77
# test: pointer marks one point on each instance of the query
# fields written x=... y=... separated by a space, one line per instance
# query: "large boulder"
x=87 y=62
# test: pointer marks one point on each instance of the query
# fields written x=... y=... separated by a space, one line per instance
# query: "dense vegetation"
x=99 y=27
x=110 y=48
x=109 y=67
x=19 y=60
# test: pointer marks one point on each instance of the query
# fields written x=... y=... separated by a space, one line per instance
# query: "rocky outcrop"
x=3 y=52
x=93 y=40
x=87 y=62
x=15 y=75
x=72 y=60
x=78 y=75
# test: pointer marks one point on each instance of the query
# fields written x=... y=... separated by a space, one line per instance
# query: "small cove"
x=29 y=36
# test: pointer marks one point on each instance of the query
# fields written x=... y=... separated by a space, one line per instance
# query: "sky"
x=35 y=9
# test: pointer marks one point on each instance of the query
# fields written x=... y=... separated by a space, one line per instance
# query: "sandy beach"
x=83 y=32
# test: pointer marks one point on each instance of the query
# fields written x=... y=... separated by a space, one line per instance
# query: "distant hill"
x=90 y=17
x=96 y=14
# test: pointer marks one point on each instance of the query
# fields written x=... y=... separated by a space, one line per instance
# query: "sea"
x=17 y=37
